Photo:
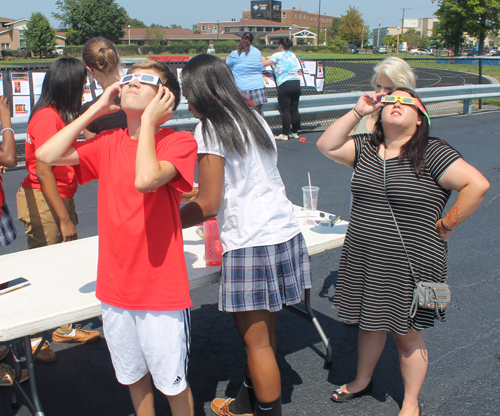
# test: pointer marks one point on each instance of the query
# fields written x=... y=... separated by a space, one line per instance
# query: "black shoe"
x=343 y=397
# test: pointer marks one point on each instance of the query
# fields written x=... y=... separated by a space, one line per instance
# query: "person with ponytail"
x=246 y=64
x=103 y=63
x=45 y=201
x=287 y=69
x=265 y=263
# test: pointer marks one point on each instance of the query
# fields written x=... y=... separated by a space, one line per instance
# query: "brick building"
x=12 y=34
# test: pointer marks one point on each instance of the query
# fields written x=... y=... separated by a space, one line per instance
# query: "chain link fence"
x=349 y=75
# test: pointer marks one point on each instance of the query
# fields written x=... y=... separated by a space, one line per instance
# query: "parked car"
x=353 y=48
x=421 y=51
x=58 y=51
x=495 y=53
x=380 y=49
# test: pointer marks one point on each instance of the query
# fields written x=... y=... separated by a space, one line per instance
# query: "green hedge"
x=225 y=46
x=152 y=49
x=185 y=46
x=125 y=50
x=73 y=51
x=15 y=54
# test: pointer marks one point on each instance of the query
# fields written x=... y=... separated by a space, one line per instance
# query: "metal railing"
x=326 y=103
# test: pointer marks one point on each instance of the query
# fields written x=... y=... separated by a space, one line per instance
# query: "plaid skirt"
x=257 y=96
x=7 y=230
x=264 y=277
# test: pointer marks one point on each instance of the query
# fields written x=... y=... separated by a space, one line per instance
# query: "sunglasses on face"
x=392 y=99
x=142 y=78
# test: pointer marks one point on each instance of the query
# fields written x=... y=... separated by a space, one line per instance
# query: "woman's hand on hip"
x=443 y=233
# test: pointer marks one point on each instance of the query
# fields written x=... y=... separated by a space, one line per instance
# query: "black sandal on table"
x=343 y=397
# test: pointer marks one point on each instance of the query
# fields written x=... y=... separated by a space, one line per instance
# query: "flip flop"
x=343 y=397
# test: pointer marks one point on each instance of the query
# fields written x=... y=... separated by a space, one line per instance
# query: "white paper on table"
x=38 y=78
x=20 y=83
x=1 y=84
x=21 y=106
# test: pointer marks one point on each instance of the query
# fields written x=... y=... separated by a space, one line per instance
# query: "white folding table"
x=62 y=290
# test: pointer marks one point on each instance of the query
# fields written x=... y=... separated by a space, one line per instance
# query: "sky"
x=188 y=12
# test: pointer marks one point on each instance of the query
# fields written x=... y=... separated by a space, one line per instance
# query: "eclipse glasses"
x=142 y=78
x=392 y=99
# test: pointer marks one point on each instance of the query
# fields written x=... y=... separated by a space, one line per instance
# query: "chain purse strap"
x=414 y=275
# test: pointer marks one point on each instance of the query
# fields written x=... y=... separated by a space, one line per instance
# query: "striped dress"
x=374 y=283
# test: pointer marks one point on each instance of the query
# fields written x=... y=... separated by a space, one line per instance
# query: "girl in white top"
x=265 y=261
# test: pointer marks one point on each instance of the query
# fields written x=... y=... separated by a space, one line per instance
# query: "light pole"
x=319 y=20
x=397 y=49
x=290 y=32
x=325 y=35
x=128 y=34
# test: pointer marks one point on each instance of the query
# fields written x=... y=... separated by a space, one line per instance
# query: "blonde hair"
x=101 y=54
x=167 y=78
x=397 y=70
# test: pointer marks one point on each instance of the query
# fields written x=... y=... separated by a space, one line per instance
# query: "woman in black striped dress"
x=374 y=285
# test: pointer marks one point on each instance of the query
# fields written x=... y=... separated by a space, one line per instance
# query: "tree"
x=40 y=38
x=414 y=39
x=351 y=26
x=92 y=18
x=451 y=28
x=154 y=35
x=135 y=23
x=175 y=26
x=390 y=40
x=478 y=18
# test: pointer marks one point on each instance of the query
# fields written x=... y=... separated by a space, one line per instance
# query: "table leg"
x=34 y=406
x=309 y=315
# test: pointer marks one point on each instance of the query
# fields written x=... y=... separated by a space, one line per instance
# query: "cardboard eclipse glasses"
x=142 y=78
x=392 y=99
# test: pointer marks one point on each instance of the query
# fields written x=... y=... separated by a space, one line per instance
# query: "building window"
x=284 y=15
x=295 y=15
x=4 y=46
x=202 y=27
x=260 y=29
x=300 y=16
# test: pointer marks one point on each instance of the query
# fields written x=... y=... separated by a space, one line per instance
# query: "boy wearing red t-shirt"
x=142 y=277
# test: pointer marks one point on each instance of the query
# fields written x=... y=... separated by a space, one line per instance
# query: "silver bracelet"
x=8 y=128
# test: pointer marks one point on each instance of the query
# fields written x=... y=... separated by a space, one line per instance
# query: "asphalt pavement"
x=464 y=352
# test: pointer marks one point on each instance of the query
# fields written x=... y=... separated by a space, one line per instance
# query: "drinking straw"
x=310 y=189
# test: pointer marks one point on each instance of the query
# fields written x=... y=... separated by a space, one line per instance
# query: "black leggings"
x=288 y=99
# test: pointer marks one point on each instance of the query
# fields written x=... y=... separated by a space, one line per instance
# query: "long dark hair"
x=62 y=88
x=245 y=43
x=210 y=88
x=414 y=149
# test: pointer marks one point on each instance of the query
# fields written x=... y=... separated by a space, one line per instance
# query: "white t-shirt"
x=255 y=210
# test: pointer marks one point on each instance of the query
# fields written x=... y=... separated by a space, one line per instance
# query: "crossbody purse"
x=426 y=295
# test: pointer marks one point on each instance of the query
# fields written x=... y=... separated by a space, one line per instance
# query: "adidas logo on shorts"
x=177 y=380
